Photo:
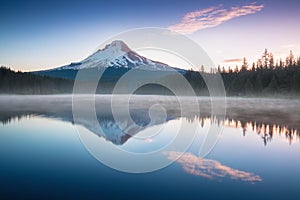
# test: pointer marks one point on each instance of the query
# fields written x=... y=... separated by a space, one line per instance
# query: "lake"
x=45 y=150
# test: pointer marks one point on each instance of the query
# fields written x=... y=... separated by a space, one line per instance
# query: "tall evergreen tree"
x=245 y=65
x=271 y=61
x=265 y=58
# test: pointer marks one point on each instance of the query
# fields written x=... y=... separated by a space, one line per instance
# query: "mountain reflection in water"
x=115 y=135
x=38 y=151
x=246 y=114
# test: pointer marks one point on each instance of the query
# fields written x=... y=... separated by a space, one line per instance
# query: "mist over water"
x=260 y=139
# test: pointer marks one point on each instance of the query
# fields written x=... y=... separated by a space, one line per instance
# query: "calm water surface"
x=43 y=157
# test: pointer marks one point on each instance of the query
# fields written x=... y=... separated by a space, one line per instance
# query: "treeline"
x=263 y=78
x=12 y=82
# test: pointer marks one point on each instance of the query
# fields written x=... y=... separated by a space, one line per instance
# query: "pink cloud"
x=212 y=16
x=233 y=60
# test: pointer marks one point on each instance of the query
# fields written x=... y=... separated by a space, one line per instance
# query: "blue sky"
x=40 y=34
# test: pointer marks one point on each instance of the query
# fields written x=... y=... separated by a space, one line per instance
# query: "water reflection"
x=262 y=126
x=265 y=124
x=211 y=169
x=115 y=135
x=265 y=131
x=47 y=153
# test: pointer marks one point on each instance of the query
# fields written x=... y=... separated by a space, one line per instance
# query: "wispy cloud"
x=232 y=60
x=212 y=16
x=210 y=168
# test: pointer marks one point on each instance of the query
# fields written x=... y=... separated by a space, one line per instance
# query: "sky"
x=46 y=34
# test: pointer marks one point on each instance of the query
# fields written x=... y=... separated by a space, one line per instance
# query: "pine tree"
x=202 y=68
x=253 y=66
x=290 y=59
x=259 y=64
x=223 y=70
x=271 y=61
x=265 y=58
x=219 y=69
x=236 y=70
x=281 y=64
x=245 y=65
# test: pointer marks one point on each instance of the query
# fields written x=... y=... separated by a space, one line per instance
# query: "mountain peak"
x=118 y=55
x=118 y=44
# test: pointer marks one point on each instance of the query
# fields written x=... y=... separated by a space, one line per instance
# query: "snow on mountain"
x=117 y=55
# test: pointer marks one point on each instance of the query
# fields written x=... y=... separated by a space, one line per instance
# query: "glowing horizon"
x=48 y=35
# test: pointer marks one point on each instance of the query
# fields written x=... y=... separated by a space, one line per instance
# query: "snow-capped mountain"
x=117 y=55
